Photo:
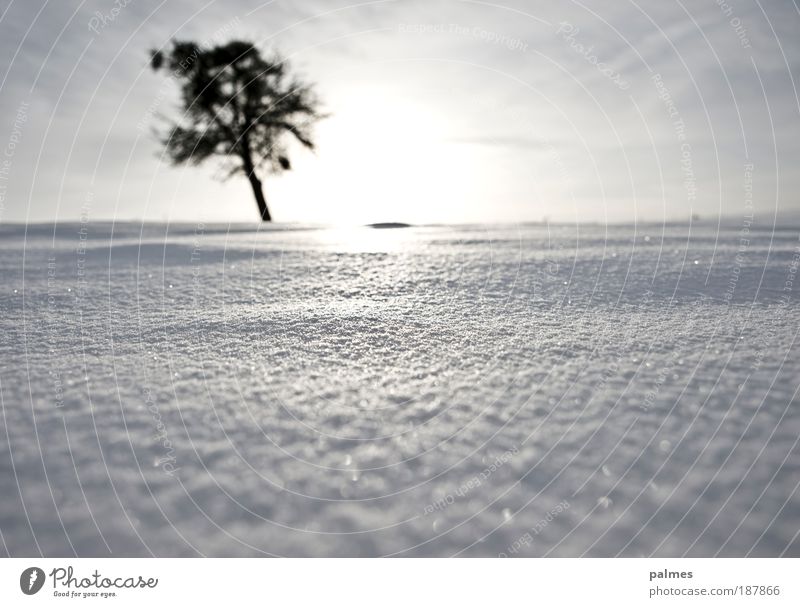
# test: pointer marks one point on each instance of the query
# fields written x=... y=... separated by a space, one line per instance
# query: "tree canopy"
x=237 y=105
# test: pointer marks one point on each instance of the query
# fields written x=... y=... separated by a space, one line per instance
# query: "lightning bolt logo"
x=31 y=580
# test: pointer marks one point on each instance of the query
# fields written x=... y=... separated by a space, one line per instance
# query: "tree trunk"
x=255 y=182
x=250 y=170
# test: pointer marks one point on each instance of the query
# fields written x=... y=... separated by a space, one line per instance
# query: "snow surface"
x=506 y=390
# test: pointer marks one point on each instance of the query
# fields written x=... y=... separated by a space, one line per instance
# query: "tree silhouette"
x=237 y=105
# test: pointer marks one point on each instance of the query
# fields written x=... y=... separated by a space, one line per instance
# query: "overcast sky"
x=441 y=111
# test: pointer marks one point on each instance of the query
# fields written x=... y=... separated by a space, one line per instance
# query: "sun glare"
x=386 y=160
